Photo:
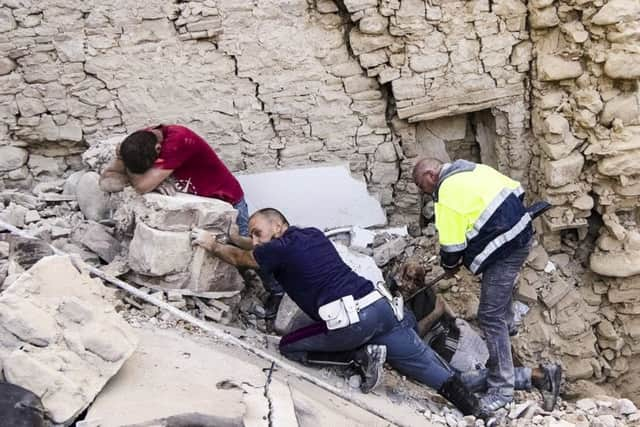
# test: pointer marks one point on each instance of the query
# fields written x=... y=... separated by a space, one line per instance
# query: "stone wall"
x=586 y=119
x=268 y=84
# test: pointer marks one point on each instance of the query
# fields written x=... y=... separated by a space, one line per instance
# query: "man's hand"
x=233 y=232
x=203 y=238
x=166 y=187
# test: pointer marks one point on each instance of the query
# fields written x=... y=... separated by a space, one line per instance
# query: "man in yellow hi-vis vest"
x=483 y=224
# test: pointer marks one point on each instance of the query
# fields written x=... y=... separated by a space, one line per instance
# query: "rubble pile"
x=60 y=336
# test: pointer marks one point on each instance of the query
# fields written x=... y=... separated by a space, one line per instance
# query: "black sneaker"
x=272 y=305
x=551 y=386
x=371 y=363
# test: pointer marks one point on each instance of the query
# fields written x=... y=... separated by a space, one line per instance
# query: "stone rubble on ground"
x=60 y=336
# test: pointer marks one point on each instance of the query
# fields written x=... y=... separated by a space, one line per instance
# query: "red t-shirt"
x=196 y=167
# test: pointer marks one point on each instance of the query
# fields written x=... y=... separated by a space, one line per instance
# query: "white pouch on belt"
x=339 y=313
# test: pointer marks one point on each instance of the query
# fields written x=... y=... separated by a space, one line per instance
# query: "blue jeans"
x=243 y=217
x=378 y=325
x=496 y=317
x=268 y=281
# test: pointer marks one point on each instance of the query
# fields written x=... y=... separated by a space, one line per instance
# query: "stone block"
x=615 y=264
x=624 y=107
x=555 y=67
x=12 y=158
x=389 y=250
x=555 y=292
x=544 y=18
x=93 y=202
x=622 y=65
x=363 y=43
x=617 y=11
x=290 y=317
x=161 y=250
x=356 y=5
x=564 y=171
x=68 y=338
x=621 y=164
x=155 y=252
x=96 y=237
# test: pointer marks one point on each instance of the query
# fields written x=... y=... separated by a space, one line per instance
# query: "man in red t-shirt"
x=148 y=157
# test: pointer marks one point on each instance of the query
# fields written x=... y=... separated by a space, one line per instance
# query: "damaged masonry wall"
x=73 y=73
x=586 y=119
x=375 y=83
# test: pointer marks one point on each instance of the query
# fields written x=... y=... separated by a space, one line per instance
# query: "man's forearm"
x=242 y=242
x=233 y=255
x=114 y=176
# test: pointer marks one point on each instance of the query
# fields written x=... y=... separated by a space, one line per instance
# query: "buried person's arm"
x=230 y=254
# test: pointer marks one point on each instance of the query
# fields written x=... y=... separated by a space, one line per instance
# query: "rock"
x=70 y=339
x=617 y=11
x=604 y=421
x=622 y=65
x=14 y=215
x=544 y=18
x=624 y=107
x=161 y=243
x=538 y=258
x=157 y=253
x=555 y=67
x=621 y=164
x=625 y=407
x=12 y=158
x=363 y=43
x=564 y=171
x=587 y=405
x=6 y=66
x=93 y=202
x=7 y=21
x=622 y=264
x=30 y=106
x=373 y=24
x=389 y=250
x=71 y=183
x=43 y=165
x=290 y=317
x=99 y=240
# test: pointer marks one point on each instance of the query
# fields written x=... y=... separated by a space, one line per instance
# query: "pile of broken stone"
x=63 y=334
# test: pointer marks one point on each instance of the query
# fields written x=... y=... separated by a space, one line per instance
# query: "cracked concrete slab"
x=197 y=375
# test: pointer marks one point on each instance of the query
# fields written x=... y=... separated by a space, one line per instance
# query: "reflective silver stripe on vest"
x=454 y=248
x=491 y=208
x=499 y=241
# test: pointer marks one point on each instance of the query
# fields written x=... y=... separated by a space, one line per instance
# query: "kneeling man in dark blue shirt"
x=355 y=324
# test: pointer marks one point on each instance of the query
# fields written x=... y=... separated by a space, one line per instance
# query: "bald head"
x=267 y=224
x=426 y=173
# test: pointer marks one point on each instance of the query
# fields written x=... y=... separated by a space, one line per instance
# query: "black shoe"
x=550 y=386
x=272 y=305
x=456 y=392
x=370 y=360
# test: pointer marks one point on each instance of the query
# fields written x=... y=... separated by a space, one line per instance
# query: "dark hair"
x=138 y=151
x=271 y=214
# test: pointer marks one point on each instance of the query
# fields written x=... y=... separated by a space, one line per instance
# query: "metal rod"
x=208 y=327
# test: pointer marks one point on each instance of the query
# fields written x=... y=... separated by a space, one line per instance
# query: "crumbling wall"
x=586 y=117
x=268 y=84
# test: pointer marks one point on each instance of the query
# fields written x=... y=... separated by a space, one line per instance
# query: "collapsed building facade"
x=546 y=91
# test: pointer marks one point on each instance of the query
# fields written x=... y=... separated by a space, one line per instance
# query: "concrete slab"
x=324 y=197
x=173 y=374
